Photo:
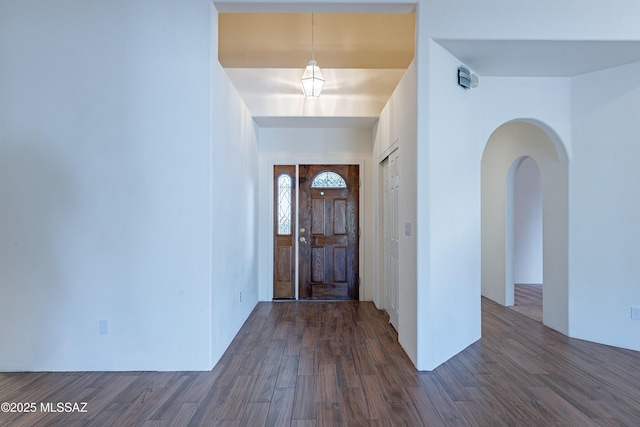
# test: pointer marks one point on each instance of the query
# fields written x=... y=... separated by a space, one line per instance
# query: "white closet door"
x=391 y=236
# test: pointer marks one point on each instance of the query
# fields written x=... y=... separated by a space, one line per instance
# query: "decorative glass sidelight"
x=328 y=179
x=284 y=204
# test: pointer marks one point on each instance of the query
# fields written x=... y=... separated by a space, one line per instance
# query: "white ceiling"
x=541 y=58
x=363 y=57
x=276 y=93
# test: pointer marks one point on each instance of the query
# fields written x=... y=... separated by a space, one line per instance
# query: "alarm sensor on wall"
x=466 y=78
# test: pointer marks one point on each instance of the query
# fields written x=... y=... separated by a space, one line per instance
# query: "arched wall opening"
x=527 y=223
x=527 y=239
x=523 y=226
x=508 y=146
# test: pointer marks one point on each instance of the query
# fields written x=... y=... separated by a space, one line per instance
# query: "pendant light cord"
x=312 y=51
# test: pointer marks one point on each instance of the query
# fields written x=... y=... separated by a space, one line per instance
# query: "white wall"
x=397 y=125
x=527 y=224
x=235 y=188
x=105 y=185
x=315 y=146
x=107 y=172
x=545 y=100
x=604 y=206
x=449 y=267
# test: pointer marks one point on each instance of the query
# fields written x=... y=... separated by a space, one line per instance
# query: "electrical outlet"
x=635 y=313
x=104 y=327
x=240 y=296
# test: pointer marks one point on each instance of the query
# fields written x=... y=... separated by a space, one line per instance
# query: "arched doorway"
x=508 y=146
x=526 y=207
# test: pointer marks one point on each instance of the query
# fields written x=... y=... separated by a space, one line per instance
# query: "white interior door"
x=391 y=235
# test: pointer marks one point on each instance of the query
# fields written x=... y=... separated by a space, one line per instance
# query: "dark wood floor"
x=338 y=363
x=528 y=301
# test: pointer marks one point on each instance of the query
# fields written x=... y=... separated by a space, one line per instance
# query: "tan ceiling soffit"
x=283 y=40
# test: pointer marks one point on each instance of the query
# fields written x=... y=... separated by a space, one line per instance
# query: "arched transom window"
x=328 y=179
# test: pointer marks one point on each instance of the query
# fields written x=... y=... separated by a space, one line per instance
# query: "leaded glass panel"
x=284 y=204
x=328 y=179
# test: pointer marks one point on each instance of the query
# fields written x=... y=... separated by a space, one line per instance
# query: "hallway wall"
x=604 y=206
x=105 y=149
x=448 y=213
x=234 y=209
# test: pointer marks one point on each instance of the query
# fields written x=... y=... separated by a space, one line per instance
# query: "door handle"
x=303 y=240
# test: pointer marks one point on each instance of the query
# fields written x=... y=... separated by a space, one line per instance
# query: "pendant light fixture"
x=312 y=79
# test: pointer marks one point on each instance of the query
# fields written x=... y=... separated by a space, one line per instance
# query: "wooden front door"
x=328 y=231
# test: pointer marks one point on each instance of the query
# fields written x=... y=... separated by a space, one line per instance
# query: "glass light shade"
x=312 y=80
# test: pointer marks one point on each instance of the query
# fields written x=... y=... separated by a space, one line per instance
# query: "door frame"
x=266 y=172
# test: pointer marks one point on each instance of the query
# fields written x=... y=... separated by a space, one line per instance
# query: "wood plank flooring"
x=528 y=301
x=303 y=364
